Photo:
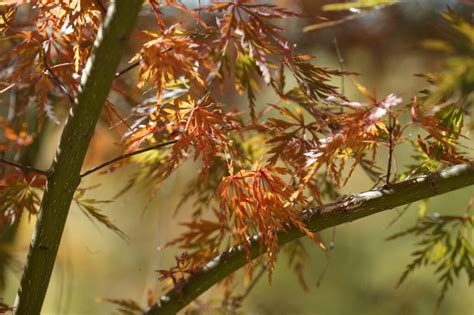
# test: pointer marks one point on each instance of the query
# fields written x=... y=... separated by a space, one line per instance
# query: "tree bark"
x=64 y=174
x=346 y=209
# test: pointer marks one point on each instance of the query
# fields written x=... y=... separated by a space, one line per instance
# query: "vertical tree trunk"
x=64 y=174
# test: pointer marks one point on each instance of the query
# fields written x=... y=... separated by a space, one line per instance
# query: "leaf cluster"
x=259 y=164
x=19 y=193
x=445 y=242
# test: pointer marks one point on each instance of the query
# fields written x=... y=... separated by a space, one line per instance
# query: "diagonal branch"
x=124 y=156
x=346 y=209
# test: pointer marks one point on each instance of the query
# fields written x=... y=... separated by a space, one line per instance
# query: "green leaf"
x=444 y=245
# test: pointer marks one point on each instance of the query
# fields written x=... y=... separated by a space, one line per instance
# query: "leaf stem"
x=391 y=122
x=254 y=282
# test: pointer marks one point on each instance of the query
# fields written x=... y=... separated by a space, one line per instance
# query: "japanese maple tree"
x=267 y=171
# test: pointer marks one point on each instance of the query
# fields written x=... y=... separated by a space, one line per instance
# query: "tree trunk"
x=64 y=174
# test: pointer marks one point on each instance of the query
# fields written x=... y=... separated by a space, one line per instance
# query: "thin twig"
x=391 y=122
x=124 y=156
x=130 y=67
x=328 y=255
x=7 y=88
x=24 y=168
x=341 y=64
x=60 y=83
x=253 y=283
x=323 y=273
x=341 y=68
x=135 y=64
x=55 y=78
x=400 y=214
x=199 y=12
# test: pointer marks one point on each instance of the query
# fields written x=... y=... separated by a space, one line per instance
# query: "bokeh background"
x=384 y=46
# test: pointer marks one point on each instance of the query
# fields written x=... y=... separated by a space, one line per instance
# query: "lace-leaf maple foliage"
x=260 y=165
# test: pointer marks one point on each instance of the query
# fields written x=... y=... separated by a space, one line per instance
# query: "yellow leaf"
x=422 y=208
x=363 y=90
